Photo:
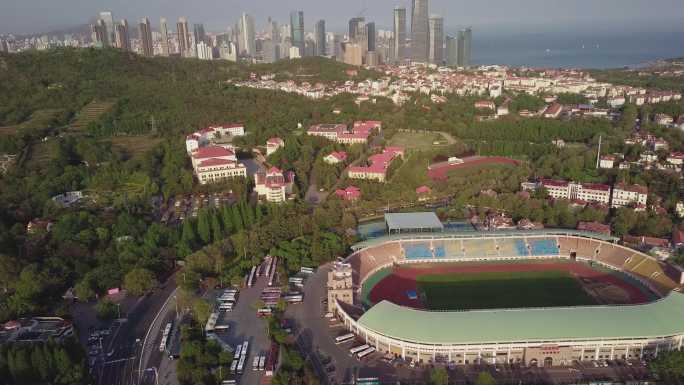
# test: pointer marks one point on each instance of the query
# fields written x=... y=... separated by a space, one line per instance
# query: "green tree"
x=106 y=310
x=439 y=376
x=217 y=233
x=139 y=281
x=484 y=378
x=203 y=226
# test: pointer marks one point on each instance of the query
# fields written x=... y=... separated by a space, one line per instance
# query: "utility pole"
x=598 y=153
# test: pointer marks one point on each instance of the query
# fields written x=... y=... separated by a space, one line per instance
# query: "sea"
x=577 y=49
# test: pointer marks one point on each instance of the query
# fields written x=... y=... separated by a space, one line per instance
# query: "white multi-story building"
x=214 y=163
x=358 y=134
x=274 y=185
x=625 y=195
x=208 y=135
x=588 y=192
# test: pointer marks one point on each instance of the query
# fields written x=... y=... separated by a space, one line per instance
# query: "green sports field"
x=489 y=290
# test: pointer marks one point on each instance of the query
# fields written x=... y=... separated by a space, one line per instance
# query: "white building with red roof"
x=335 y=157
x=273 y=145
x=274 y=185
x=377 y=165
x=340 y=133
x=607 y=161
x=587 y=192
x=676 y=158
x=207 y=135
x=214 y=163
x=553 y=111
x=625 y=195
x=351 y=193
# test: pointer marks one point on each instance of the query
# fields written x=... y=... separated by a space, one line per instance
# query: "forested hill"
x=175 y=94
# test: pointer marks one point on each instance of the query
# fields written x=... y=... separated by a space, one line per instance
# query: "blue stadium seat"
x=521 y=247
x=543 y=247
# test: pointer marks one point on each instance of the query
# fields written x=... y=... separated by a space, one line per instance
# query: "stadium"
x=535 y=297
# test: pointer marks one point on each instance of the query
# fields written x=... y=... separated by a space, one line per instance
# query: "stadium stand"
x=521 y=248
x=508 y=247
x=370 y=259
x=480 y=248
x=613 y=255
x=454 y=248
x=543 y=246
x=413 y=251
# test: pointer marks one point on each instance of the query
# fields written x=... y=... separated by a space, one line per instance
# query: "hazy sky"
x=25 y=16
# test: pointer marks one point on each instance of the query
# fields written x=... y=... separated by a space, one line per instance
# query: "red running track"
x=394 y=287
x=439 y=172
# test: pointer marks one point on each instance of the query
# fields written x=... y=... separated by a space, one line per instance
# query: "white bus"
x=358 y=349
x=241 y=364
x=307 y=270
x=366 y=352
x=293 y=298
x=165 y=337
x=296 y=280
x=233 y=365
x=262 y=362
x=221 y=328
x=238 y=350
x=255 y=363
x=344 y=338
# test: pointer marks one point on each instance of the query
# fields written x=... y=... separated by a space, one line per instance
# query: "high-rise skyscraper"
x=146 y=37
x=164 y=30
x=419 y=31
x=297 y=30
x=436 y=40
x=122 y=37
x=356 y=28
x=319 y=36
x=246 y=33
x=370 y=36
x=275 y=31
x=399 y=30
x=451 y=51
x=108 y=18
x=465 y=37
x=183 y=37
x=99 y=34
x=198 y=33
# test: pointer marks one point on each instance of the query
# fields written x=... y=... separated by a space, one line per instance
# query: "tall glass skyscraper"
x=356 y=28
x=246 y=33
x=465 y=37
x=319 y=35
x=370 y=33
x=297 y=30
x=399 y=30
x=436 y=40
x=451 y=51
x=419 y=31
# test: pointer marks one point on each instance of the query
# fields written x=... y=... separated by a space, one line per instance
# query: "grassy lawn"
x=416 y=140
x=502 y=290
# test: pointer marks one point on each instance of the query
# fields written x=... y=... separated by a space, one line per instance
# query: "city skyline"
x=32 y=16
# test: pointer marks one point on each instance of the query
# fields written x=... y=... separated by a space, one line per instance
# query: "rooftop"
x=659 y=318
x=413 y=221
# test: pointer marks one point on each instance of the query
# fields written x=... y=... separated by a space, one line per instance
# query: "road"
x=120 y=366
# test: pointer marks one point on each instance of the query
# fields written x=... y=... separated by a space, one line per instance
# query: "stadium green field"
x=489 y=290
